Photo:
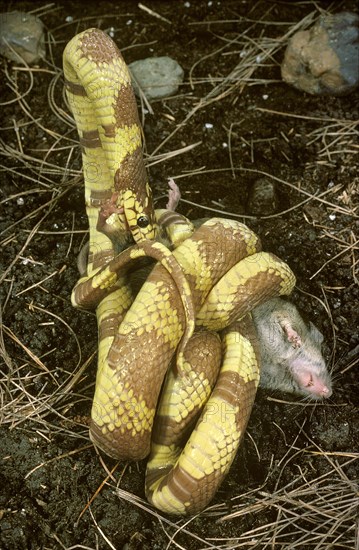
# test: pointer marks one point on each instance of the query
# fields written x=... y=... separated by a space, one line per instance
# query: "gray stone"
x=324 y=60
x=23 y=33
x=157 y=76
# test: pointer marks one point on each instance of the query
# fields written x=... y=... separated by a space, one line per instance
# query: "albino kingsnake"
x=211 y=280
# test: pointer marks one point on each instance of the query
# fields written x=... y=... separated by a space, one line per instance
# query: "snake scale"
x=189 y=328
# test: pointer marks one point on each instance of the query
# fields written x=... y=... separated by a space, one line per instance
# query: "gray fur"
x=290 y=351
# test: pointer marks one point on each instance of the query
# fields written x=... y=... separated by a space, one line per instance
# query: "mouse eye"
x=143 y=222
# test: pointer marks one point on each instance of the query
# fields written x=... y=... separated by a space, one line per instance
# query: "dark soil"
x=302 y=454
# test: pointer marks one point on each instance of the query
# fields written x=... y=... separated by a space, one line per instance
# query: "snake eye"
x=143 y=222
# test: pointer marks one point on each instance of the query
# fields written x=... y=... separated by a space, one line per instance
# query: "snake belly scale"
x=211 y=280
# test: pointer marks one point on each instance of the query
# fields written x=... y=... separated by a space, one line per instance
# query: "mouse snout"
x=313 y=385
x=320 y=389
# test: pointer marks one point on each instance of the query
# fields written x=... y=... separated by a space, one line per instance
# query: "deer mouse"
x=290 y=351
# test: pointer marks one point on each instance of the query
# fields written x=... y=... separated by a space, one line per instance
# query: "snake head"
x=138 y=217
x=134 y=199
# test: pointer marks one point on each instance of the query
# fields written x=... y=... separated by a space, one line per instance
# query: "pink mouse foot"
x=174 y=195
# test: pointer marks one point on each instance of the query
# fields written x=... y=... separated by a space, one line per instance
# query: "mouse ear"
x=291 y=334
x=317 y=335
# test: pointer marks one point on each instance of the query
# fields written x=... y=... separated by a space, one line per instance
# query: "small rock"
x=262 y=199
x=157 y=76
x=23 y=33
x=324 y=60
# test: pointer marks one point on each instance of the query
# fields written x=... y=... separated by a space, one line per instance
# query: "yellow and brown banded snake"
x=209 y=282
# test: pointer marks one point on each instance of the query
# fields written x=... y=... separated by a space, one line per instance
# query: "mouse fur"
x=290 y=351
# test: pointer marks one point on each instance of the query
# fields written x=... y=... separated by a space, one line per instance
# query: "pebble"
x=157 y=76
x=23 y=33
x=262 y=199
x=324 y=60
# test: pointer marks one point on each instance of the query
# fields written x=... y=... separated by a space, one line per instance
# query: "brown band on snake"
x=98 y=259
x=125 y=109
x=132 y=171
x=99 y=197
x=169 y=218
x=109 y=326
x=226 y=387
x=75 y=89
x=87 y=296
x=95 y=44
x=111 y=446
x=90 y=139
x=180 y=483
x=110 y=130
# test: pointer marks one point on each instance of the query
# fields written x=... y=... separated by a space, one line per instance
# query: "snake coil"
x=210 y=281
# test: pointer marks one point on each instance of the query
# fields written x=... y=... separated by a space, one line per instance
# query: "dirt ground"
x=293 y=484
